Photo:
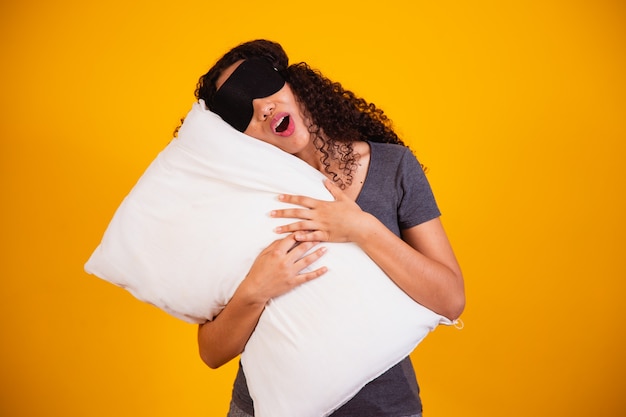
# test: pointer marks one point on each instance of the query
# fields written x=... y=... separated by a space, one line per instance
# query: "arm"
x=422 y=263
x=275 y=271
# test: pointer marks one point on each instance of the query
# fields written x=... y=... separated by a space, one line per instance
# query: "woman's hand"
x=340 y=220
x=278 y=269
x=422 y=262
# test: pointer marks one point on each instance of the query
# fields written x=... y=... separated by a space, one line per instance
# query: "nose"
x=264 y=108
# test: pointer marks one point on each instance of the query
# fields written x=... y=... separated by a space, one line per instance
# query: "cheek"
x=303 y=134
x=254 y=131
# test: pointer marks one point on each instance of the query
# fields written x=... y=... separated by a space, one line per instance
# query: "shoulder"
x=394 y=154
x=393 y=148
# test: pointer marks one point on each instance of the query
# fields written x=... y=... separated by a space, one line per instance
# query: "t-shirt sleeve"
x=417 y=204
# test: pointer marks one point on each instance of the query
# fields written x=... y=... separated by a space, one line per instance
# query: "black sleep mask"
x=253 y=78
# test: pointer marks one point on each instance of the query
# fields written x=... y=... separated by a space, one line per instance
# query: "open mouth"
x=282 y=125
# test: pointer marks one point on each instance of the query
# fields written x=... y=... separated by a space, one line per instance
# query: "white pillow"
x=187 y=234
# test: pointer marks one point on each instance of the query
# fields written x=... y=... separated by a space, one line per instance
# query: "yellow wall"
x=517 y=108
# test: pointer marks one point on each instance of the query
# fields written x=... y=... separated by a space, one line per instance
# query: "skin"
x=422 y=262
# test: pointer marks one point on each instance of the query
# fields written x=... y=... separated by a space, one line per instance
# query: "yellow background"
x=517 y=108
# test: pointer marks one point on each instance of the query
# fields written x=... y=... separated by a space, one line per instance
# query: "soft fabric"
x=187 y=234
x=389 y=395
x=398 y=194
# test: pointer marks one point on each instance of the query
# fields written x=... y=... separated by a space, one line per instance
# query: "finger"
x=294 y=227
x=298 y=200
x=308 y=276
x=334 y=190
x=300 y=248
x=309 y=259
x=292 y=213
x=311 y=236
x=285 y=244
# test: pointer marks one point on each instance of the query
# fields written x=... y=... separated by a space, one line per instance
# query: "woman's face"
x=276 y=119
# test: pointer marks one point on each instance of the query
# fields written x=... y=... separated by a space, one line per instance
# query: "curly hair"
x=338 y=117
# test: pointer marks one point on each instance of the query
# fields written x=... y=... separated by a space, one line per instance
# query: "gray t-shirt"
x=396 y=192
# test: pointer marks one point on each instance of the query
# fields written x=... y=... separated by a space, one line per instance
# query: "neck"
x=311 y=156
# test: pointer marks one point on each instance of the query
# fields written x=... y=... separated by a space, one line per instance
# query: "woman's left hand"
x=340 y=220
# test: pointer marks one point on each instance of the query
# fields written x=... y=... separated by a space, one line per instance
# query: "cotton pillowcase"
x=187 y=234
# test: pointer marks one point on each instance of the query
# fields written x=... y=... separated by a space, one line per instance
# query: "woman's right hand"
x=276 y=271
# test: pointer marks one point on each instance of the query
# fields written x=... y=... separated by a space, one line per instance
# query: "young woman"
x=383 y=203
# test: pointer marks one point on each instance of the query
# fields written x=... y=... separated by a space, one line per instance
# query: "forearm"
x=429 y=276
x=275 y=271
x=222 y=339
x=421 y=262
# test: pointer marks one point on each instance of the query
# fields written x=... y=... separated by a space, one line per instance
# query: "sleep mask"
x=253 y=78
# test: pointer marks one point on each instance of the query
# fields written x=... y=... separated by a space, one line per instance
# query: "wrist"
x=365 y=230
x=249 y=295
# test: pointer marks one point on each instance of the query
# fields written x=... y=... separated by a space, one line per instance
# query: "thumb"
x=334 y=190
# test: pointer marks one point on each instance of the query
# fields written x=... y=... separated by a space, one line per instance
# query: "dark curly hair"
x=337 y=117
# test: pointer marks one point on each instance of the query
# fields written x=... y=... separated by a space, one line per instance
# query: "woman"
x=383 y=203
